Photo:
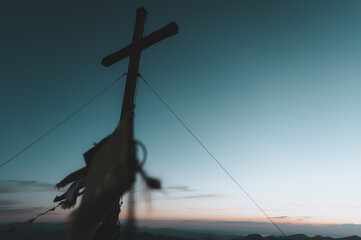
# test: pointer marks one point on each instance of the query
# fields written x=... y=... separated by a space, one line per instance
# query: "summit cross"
x=134 y=50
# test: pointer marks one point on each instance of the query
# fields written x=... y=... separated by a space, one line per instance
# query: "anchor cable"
x=63 y=121
x=212 y=156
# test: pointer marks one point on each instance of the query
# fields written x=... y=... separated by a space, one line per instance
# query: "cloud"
x=201 y=196
x=20 y=209
x=12 y=208
x=30 y=210
x=281 y=217
x=16 y=186
x=323 y=206
x=8 y=206
x=301 y=218
x=7 y=202
x=181 y=188
x=197 y=196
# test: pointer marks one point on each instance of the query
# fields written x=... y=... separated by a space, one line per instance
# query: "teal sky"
x=270 y=87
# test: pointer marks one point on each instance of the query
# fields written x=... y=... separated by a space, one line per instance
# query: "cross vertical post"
x=128 y=99
x=133 y=51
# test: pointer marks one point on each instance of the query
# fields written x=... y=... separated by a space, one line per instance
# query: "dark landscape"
x=58 y=231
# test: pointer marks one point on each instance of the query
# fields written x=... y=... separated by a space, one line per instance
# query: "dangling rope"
x=142 y=146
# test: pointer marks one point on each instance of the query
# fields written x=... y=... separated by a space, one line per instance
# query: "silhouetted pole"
x=128 y=99
x=133 y=50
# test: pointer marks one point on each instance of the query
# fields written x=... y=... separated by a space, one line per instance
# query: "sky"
x=270 y=87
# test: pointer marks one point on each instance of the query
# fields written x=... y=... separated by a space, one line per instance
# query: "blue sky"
x=270 y=87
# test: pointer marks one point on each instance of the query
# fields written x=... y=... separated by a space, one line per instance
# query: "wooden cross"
x=133 y=51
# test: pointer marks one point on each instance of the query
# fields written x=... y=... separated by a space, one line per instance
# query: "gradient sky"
x=270 y=87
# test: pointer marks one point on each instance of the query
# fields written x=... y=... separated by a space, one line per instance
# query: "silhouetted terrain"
x=53 y=231
x=35 y=231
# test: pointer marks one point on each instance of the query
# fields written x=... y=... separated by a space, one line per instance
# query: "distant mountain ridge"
x=294 y=237
x=58 y=231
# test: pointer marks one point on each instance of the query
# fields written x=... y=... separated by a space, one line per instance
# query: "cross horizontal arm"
x=117 y=56
x=157 y=36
